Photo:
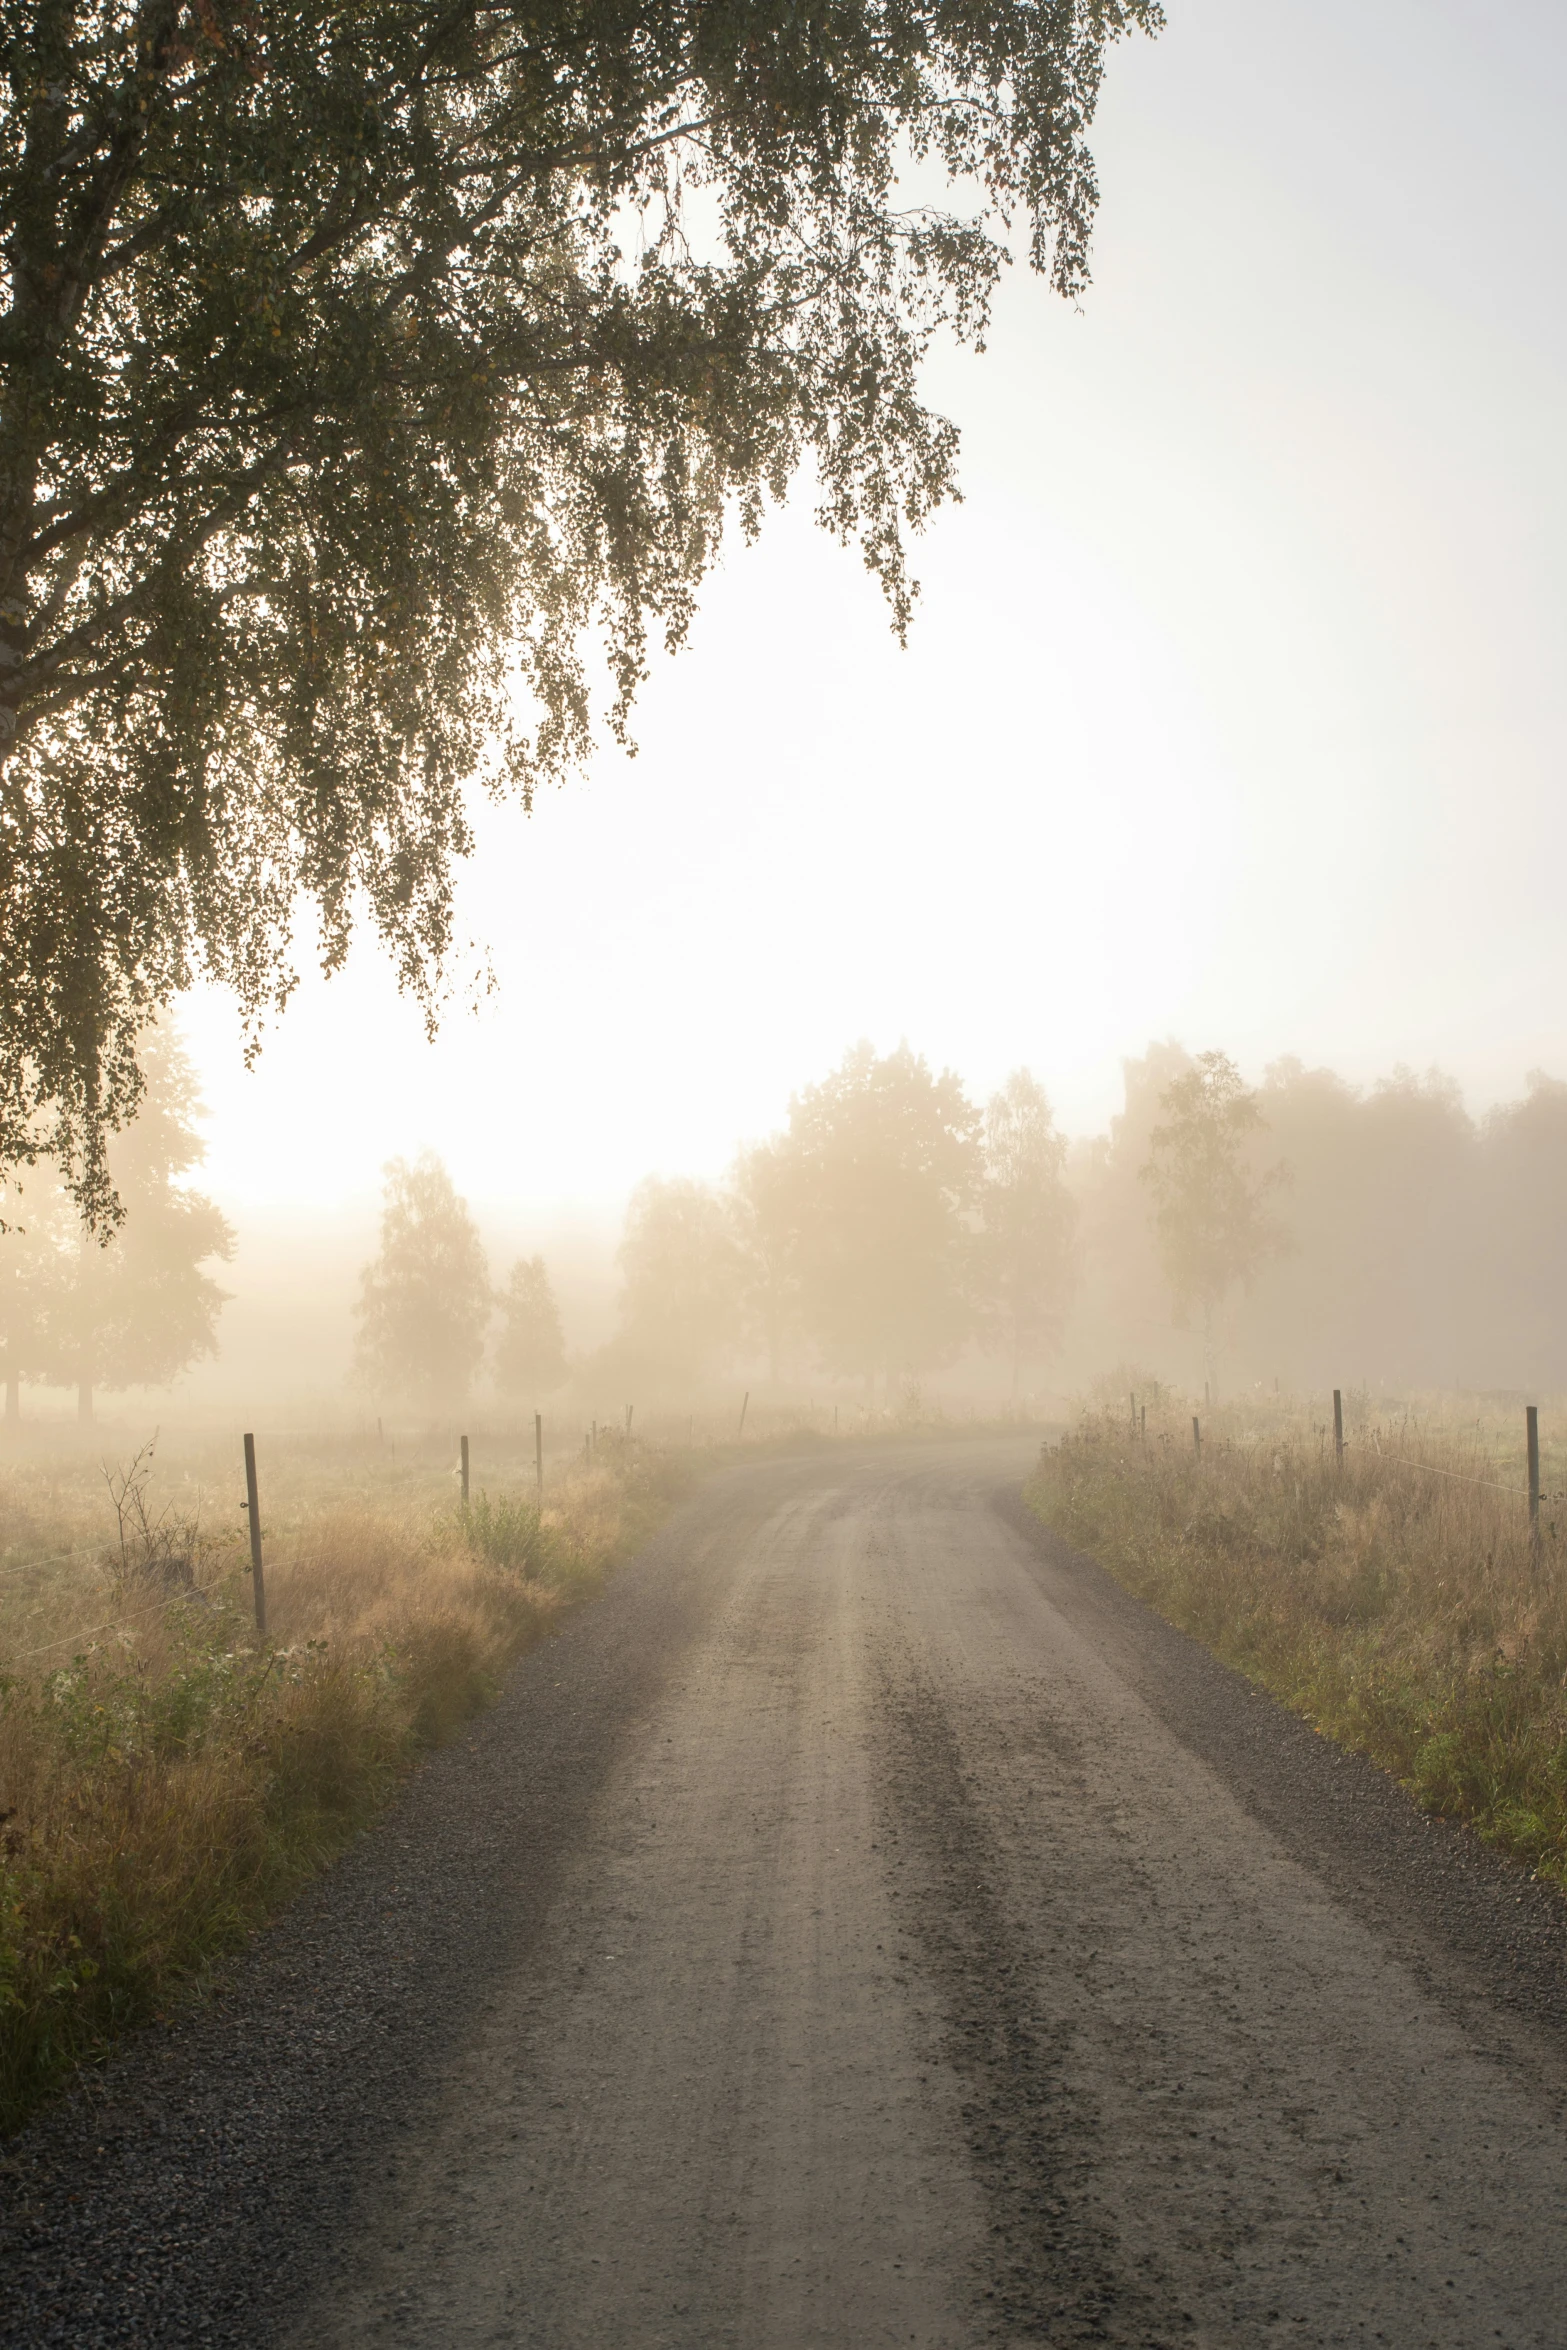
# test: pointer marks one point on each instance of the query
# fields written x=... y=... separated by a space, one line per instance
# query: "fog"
x=1233 y=714
x=896 y=1245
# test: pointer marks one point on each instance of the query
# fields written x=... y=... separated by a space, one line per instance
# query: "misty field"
x=168 y=1778
x=1395 y=1602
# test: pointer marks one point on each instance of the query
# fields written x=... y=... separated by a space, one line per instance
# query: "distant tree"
x=1024 y=1256
x=135 y=1307
x=762 y=1199
x=1211 y=1214
x=680 y=1278
x=37 y=1234
x=883 y=1162
x=425 y=1301
x=530 y=1354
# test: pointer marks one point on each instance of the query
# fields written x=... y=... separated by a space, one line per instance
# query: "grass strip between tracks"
x=1404 y=1614
x=169 y=1782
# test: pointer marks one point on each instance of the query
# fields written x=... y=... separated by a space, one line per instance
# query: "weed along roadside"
x=170 y=1773
x=1400 y=1585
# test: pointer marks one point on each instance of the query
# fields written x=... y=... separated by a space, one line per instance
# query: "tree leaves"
x=336 y=426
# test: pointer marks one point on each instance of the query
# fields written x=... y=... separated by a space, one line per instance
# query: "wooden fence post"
x=1338 y=1427
x=253 y=1507
x=538 y=1452
x=1143 y=1426
x=630 y=1408
x=744 y=1408
x=465 y=1472
x=1532 y=1438
x=1133 y=1402
x=1196 y=1436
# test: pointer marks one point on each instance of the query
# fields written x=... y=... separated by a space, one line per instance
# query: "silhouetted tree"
x=680 y=1278
x=883 y=1165
x=1389 y=1211
x=763 y=1206
x=1024 y=1257
x=1211 y=1216
x=530 y=1353
x=1517 y=1272
x=425 y=1301
x=136 y=1307
x=38 y=1226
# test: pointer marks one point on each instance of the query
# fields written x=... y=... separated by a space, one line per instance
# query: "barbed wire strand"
x=131 y=1616
x=55 y=1558
x=1459 y=1476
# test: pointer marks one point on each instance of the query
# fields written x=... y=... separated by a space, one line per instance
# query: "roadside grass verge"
x=1395 y=1602
x=167 y=1780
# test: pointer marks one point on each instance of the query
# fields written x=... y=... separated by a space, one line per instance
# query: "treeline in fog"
x=1418 y=1246
x=896 y=1231
x=889 y=1228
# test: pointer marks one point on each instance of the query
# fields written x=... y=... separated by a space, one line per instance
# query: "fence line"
x=54 y=1558
x=1460 y=1476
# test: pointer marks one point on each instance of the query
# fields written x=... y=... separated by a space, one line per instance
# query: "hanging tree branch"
x=334 y=425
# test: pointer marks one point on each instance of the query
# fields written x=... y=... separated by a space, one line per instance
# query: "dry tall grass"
x=1396 y=1602
x=166 y=1778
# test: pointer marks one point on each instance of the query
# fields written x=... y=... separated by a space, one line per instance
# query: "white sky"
x=1234 y=709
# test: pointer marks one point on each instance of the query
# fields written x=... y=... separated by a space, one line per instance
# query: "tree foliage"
x=680 y=1278
x=425 y=1301
x=762 y=1214
x=883 y=1163
x=37 y=1230
x=136 y=1306
x=1212 y=1217
x=363 y=363
x=530 y=1353
x=1024 y=1256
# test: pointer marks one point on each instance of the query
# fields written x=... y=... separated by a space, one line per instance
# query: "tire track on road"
x=1033 y=2131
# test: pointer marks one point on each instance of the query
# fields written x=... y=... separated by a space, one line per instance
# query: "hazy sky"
x=1234 y=709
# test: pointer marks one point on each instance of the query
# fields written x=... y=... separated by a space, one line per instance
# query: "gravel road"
x=866 y=1925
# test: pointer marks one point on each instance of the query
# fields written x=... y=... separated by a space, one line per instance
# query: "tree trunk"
x=84 y=1404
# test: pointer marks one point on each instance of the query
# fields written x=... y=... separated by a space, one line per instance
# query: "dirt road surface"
x=865 y=1926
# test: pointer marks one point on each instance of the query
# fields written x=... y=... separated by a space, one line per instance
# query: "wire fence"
x=1459 y=1476
x=1533 y=1493
x=54 y=1558
x=112 y=1623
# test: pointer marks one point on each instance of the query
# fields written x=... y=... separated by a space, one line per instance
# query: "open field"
x=1396 y=1602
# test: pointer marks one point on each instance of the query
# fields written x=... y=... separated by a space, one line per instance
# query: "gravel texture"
x=865 y=1924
